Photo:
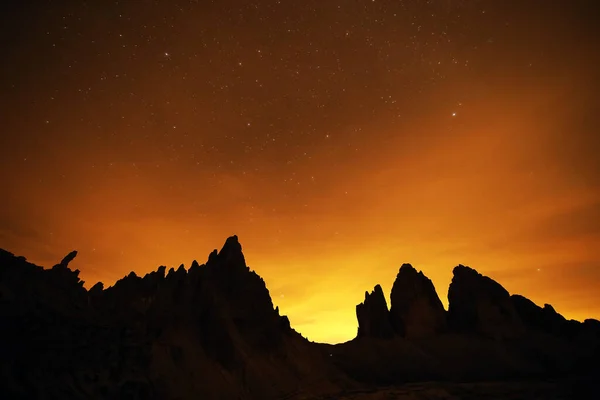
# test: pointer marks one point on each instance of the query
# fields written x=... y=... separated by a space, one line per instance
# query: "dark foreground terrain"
x=211 y=332
x=469 y=391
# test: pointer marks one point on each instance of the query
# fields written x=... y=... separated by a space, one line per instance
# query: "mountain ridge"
x=213 y=331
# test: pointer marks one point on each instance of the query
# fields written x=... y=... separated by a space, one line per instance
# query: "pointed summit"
x=373 y=316
x=416 y=310
x=231 y=253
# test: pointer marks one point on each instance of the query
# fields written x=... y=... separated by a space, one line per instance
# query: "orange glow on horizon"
x=490 y=200
x=336 y=142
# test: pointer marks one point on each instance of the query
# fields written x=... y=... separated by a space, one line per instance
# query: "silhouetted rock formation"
x=486 y=335
x=67 y=259
x=544 y=319
x=416 y=309
x=480 y=305
x=212 y=332
x=373 y=316
x=208 y=332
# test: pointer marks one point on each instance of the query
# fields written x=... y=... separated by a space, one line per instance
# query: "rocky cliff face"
x=207 y=332
x=416 y=309
x=543 y=319
x=486 y=334
x=373 y=316
x=478 y=305
x=481 y=305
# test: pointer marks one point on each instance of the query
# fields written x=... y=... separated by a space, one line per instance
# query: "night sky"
x=337 y=139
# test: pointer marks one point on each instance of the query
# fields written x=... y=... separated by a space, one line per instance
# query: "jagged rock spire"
x=231 y=252
x=373 y=316
x=416 y=309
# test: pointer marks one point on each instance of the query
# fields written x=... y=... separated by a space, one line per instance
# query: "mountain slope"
x=207 y=332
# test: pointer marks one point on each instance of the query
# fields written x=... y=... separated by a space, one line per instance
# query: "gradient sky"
x=337 y=139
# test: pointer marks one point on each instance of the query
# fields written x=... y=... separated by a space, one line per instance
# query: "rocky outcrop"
x=478 y=304
x=373 y=316
x=544 y=319
x=416 y=309
x=67 y=259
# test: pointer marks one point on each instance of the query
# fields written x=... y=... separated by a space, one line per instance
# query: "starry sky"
x=337 y=139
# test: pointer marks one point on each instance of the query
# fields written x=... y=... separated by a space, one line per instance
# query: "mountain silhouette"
x=212 y=332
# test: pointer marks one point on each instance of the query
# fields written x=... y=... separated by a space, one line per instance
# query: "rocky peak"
x=373 y=316
x=231 y=253
x=416 y=310
x=478 y=304
x=213 y=257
